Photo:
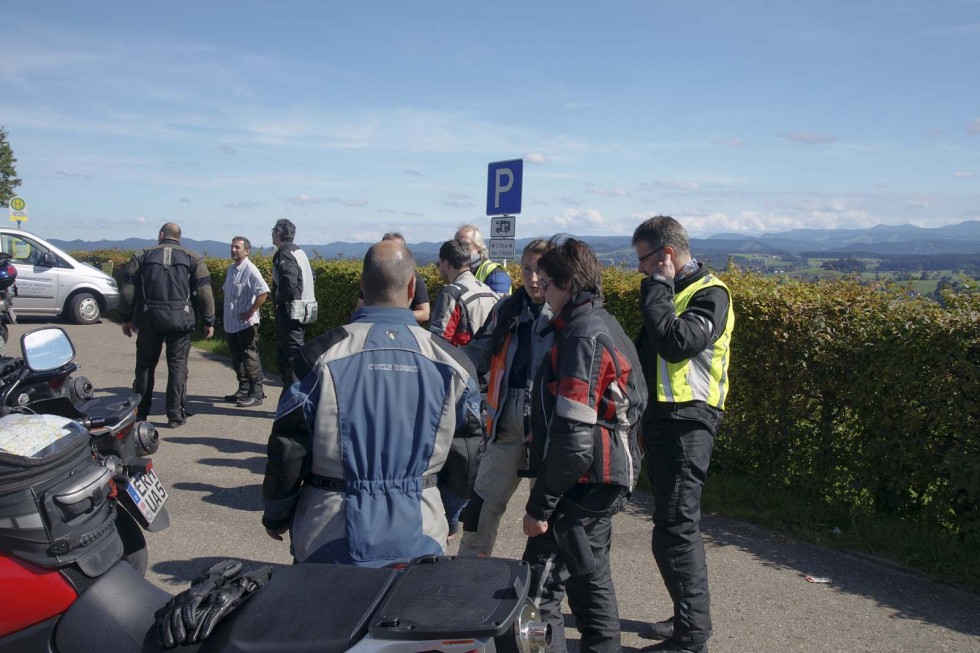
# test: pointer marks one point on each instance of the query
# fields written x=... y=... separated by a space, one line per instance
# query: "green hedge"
x=866 y=398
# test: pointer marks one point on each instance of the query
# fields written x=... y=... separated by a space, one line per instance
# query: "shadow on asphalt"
x=182 y=572
x=913 y=598
x=256 y=464
x=223 y=445
x=246 y=497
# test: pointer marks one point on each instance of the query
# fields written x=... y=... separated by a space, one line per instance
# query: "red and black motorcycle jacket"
x=588 y=398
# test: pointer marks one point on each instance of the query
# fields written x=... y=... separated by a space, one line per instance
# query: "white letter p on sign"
x=498 y=189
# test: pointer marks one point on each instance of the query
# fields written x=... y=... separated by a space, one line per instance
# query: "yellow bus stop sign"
x=18 y=210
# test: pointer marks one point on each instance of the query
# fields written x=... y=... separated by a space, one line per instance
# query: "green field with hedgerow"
x=853 y=417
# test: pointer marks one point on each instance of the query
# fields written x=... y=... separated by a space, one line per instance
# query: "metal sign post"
x=505 y=180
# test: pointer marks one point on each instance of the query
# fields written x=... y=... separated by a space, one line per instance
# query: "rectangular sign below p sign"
x=504 y=226
x=502 y=248
x=504 y=181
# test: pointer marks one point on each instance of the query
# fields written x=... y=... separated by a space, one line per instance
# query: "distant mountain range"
x=879 y=241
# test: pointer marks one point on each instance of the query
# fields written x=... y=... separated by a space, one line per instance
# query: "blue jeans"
x=454 y=504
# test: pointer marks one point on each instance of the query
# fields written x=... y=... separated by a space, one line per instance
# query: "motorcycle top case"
x=54 y=497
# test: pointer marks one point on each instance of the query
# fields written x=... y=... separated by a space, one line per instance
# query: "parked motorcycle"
x=123 y=444
x=20 y=386
x=454 y=605
x=8 y=277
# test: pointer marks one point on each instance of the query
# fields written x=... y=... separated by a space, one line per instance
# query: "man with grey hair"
x=486 y=271
x=358 y=444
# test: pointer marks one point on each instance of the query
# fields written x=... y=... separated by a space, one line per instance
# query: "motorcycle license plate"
x=148 y=494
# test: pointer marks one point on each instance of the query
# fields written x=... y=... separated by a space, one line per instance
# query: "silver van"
x=50 y=282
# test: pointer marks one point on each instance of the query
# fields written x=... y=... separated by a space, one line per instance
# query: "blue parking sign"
x=504 y=181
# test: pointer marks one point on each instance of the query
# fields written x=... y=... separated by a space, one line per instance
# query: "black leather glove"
x=223 y=600
x=181 y=617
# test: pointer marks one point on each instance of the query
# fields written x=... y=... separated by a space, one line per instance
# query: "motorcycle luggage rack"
x=451 y=598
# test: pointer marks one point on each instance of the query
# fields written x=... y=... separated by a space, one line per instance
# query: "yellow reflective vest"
x=704 y=376
x=483 y=271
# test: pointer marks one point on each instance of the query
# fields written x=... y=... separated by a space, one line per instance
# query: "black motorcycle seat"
x=305 y=608
x=116 y=613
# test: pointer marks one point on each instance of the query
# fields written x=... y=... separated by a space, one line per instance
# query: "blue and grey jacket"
x=357 y=444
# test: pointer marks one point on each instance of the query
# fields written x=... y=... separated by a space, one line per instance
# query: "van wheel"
x=84 y=308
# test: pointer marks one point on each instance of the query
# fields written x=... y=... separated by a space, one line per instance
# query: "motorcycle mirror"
x=46 y=349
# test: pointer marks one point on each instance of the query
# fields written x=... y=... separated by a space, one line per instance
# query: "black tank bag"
x=54 y=502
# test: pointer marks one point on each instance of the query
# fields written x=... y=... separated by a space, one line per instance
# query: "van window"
x=24 y=250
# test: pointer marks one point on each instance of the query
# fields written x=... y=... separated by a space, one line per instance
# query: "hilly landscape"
x=955 y=245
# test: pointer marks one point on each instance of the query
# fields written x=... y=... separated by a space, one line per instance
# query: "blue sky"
x=356 y=118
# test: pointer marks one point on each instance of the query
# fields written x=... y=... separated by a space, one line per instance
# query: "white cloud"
x=348 y=202
x=413 y=173
x=227 y=149
x=809 y=138
x=574 y=219
x=974 y=127
x=613 y=191
x=302 y=200
x=78 y=175
x=728 y=142
x=140 y=220
x=536 y=157
x=672 y=184
x=964 y=174
x=243 y=204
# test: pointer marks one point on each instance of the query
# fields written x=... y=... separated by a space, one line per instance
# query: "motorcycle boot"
x=239 y=395
x=658 y=630
x=254 y=398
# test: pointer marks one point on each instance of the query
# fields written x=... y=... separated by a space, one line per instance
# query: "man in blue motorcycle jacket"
x=358 y=443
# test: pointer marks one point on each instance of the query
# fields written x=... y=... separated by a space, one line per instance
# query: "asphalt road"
x=761 y=601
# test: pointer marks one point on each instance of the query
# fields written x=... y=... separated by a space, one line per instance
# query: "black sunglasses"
x=649 y=254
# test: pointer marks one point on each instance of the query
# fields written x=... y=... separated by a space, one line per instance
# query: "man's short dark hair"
x=572 y=265
x=285 y=230
x=387 y=272
x=244 y=241
x=393 y=235
x=662 y=231
x=170 y=230
x=456 y=252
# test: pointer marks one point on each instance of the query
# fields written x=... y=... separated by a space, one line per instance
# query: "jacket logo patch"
x=392 y=334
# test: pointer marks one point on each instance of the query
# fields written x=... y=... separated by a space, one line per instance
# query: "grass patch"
x=920 y=547
x=219 y=345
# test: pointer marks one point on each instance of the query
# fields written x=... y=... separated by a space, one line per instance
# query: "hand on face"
x=655 y=260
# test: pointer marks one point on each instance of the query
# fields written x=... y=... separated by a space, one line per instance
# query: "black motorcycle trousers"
x=244 y=348
x=289 y=340
x=678 y=453
x=149 y=344
x=572 y=558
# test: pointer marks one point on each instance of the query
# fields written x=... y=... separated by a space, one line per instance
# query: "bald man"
x=377 y=419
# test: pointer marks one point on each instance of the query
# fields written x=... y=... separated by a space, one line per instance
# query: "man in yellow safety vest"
x=684 y=347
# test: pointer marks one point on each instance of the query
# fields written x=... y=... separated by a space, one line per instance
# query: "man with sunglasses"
x=684 y=348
